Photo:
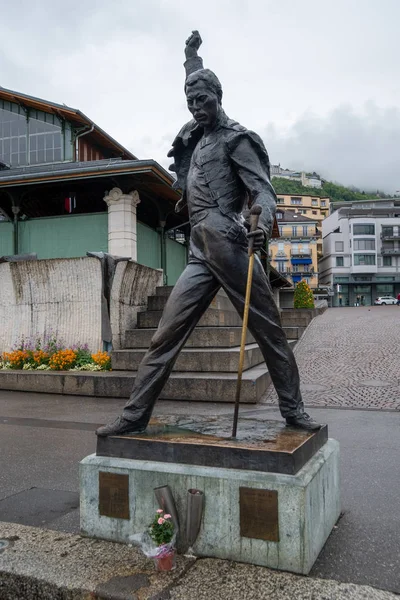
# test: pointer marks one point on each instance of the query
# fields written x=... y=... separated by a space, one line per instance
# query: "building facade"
x=306 y=179
x=67 y=187
x=294 y=253
x=361 y=251
x=312 y=207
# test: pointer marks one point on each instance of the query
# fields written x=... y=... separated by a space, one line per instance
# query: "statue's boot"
x=303 y=421
x=120 y=426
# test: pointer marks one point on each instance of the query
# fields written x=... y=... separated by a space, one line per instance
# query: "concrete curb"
x=50 y=565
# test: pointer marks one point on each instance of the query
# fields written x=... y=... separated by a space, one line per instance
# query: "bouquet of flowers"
x=158 y=542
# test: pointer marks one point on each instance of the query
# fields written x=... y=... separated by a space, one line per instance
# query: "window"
x=281 y=247
x=323 y=214
x=294 y=231
x=367 y=229
x=305 y=249
x=280 y=200
x=295 y=201
x=305 y=229
x=339 y=261
x=314 y=202
x=280 y=266
x=314 y=212
x=281 y=231
x=29 y=138
x=387 y=261
x=364 y=259
x=295 y=248
x=279 y=215
x=387 y=231
x=384 y=290
x=364 y=244
x=323 y=202
x=339 y=247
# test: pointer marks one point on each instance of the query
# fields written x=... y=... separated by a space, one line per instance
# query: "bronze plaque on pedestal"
x=114 y=495
x=259 y=514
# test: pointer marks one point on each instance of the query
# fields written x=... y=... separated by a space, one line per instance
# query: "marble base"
x=308 y=506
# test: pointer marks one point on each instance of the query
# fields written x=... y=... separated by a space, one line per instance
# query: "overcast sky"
x=317 y=79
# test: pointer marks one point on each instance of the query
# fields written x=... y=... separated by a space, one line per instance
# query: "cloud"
x=280 y=62
x=346 y=146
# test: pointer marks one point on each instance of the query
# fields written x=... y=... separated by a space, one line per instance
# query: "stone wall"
x=131 y=286
x=64 y=296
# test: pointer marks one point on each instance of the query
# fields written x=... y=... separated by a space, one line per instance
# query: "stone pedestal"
x=264 y=518
x=122 y=235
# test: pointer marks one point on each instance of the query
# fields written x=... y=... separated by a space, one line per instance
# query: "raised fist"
x=193 y=43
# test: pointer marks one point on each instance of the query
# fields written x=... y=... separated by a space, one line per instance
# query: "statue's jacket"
x=235 y=165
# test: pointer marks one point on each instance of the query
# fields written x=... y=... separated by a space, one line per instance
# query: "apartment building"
x=294 y=254
x=361 y=251
x=312 y=207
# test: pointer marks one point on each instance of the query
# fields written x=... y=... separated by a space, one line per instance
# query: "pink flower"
x=159 y=511
x=167 y=516
x=160 y=521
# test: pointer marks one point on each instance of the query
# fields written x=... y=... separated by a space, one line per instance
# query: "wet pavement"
x=42 y=449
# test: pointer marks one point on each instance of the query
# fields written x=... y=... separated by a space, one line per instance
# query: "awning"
x=307 y=260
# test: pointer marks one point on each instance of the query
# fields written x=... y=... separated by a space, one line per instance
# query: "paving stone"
x=349 y=358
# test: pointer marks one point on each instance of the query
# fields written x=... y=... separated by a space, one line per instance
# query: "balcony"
x=300 y=254
x=390 y=236
x=290 y=272
x=390 y=251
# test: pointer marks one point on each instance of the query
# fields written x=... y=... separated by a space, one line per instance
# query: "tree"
x=303 y=297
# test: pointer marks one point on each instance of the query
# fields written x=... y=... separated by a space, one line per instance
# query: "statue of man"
x=222 y=169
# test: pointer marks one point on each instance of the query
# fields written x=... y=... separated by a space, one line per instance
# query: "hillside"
x=334 y=191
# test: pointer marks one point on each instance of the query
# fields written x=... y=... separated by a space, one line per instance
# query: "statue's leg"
x=189 y=299
x=265 y=325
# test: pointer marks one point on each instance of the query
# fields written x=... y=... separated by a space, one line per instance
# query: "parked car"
x=385 y=300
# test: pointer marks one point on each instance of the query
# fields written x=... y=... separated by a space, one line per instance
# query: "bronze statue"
x=222 y=169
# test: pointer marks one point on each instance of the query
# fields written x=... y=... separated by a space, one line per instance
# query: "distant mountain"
x=334 y=191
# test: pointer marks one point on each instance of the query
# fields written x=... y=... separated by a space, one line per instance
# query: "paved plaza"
x=350 y=358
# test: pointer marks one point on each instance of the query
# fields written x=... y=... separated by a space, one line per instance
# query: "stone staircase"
x=206 y=369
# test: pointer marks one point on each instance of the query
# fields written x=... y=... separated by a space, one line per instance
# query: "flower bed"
x=49 y=354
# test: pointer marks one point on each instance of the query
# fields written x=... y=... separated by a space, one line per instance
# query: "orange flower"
x=103 y=359
x=62 y=360
x=16 y=358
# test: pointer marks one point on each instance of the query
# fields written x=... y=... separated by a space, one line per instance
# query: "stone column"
x=122 y=238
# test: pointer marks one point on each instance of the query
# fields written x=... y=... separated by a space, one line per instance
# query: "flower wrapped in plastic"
x=158 y=542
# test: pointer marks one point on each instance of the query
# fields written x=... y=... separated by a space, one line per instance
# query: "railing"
x=390 y=251
x=304 y=254
x=390 y=236
x=290 y=272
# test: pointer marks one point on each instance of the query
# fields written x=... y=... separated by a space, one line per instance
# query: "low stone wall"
x=64 y=296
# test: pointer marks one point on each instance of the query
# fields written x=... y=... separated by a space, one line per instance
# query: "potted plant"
x=163 y=535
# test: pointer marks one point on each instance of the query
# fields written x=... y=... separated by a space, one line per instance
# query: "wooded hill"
x=337 y=193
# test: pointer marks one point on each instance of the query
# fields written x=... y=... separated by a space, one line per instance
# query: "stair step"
x=213 y=317
x=203 y=337
x=294 y=333
x=202 y=387
x=294 y=321
x=201 y=360
x=158 y=302
x=164 y=290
